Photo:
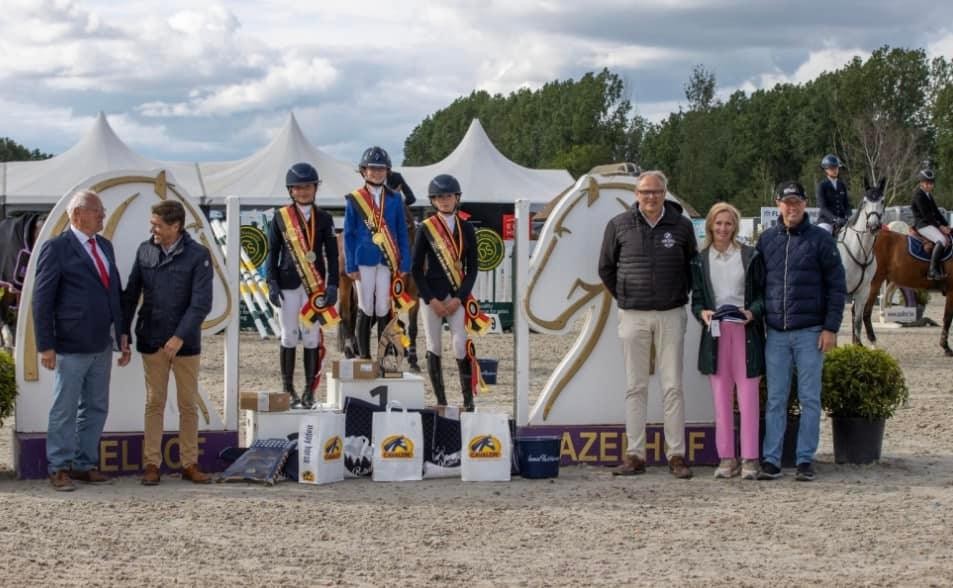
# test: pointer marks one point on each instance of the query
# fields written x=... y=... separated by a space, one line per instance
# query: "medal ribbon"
x=476 y=376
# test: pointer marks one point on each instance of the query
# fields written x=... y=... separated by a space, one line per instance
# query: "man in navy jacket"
x=77 y=322
x=804 y=304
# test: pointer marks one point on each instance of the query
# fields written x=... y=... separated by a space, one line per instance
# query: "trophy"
x=390 y=350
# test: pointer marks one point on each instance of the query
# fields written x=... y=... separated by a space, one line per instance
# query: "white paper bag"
x=486 y=448
x=398 y=445
x=321 y=448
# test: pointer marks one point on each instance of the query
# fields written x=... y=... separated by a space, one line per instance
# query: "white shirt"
x=84 y=242
x=727 y=274
x=305 y=211
x=450 y=219
x=651 y=224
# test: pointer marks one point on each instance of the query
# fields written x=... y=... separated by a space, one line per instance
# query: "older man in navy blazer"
x=78 y=322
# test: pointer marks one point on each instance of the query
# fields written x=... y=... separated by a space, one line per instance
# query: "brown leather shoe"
x=194 y=474
x=150 y=476
x=90 y=477
x=679 y=468
x=61 y=482
x=631 y=466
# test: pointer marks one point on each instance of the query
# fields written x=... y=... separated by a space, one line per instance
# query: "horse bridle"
x=869 y=256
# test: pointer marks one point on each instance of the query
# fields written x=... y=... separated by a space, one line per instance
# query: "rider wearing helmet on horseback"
x=930 y=223
x=302 y=265
x=832 y=197
x=445 y=269
x=376 y=246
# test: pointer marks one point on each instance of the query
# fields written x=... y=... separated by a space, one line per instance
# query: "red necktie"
x=103 y=274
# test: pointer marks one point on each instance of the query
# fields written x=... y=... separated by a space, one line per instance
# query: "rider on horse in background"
x=832 y=197
x=930 y=222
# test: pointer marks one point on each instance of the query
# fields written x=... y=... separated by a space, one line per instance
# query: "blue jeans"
x=78 y=414
x=783 y=351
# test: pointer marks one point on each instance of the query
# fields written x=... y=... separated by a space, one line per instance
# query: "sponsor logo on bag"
x=485 y=447
x=307 y=476
x=306 y=445
x=333 y=448
x=397 y=446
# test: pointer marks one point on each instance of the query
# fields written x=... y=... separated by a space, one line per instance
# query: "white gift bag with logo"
x=398 y=445
x=486 y=449
x=321 y=448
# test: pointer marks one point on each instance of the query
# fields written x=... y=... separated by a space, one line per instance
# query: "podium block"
x=409 y=390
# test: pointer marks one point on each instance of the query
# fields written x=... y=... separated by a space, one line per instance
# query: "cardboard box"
x=354 y=369
x=264 y=401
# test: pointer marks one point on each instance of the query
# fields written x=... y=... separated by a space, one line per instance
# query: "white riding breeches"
x=934 y=234
x=373 y=290
x=433 y=327
x=291 y=328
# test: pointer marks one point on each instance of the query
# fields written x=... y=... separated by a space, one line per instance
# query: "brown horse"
x=895 y=264
x=347 y=304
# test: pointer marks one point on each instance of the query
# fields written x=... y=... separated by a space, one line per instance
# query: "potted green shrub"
x=862 y=388
x=8 y=385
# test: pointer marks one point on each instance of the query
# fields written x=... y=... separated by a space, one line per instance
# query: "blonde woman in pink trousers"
x=727 y=298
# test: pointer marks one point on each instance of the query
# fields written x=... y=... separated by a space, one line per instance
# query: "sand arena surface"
x=883 y=524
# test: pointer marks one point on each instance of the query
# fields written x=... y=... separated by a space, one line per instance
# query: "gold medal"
x=378 y=239
x=458 y=264
x=310 y=256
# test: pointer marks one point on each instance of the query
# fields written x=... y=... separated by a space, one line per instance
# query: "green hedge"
x=8 y=385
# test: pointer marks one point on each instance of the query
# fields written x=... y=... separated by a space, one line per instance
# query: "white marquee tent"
x=486 y=174
x=261 y=176
x=100 y=150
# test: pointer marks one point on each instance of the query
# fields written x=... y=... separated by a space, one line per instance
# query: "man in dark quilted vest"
x=645 y=263
x=804 y=303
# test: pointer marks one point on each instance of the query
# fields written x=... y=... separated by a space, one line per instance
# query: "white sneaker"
x=749 y=469
x=728 y=468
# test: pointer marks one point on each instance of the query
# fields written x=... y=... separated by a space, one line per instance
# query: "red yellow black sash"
x=381 y=235
x=297 y=239
x=449 y=252
x=373 y=217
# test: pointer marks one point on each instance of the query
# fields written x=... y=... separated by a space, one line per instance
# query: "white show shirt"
x=727 y=276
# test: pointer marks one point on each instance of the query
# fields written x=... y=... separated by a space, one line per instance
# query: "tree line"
x=10 y=150
x=883 y=116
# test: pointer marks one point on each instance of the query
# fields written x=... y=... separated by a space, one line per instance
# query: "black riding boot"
x=311 y=368
x=363 y=328
x=463 y=366
x=936 y=266
x=436 y=378
x=287 y=375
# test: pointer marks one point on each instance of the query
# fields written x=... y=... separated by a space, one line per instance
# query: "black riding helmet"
x=926 y=175
x=375 y=157
x=301 y=174
x=444 y=184
x=830 y=160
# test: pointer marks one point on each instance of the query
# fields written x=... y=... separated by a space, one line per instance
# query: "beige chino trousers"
x=186 y=372
x=638 y=329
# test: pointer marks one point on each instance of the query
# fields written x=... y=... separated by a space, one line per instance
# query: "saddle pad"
x=915 y=248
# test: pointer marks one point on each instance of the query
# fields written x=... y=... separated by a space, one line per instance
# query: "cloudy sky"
x=214 y=81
